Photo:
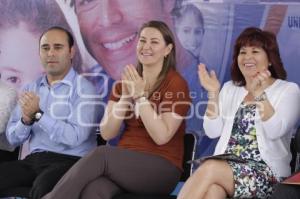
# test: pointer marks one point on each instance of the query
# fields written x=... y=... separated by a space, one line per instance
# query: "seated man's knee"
x=47 y=179
x=38 y=191
x=41 y=187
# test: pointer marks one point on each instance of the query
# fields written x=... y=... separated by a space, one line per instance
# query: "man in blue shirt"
x=57 y=114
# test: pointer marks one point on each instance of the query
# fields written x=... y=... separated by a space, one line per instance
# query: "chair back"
x=295 y=150
x=190 y=144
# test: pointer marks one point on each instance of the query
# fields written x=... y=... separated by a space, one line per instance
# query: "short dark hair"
x=266 y=40
x=69 y=35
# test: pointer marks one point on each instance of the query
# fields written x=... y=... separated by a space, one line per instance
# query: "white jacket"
x=273 y=135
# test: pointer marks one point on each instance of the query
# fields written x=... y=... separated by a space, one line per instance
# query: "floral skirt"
x=252 y=179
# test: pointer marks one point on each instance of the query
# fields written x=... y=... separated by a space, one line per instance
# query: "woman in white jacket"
x=254 y=115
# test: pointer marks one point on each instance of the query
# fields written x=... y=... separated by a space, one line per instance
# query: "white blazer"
x=273 y=135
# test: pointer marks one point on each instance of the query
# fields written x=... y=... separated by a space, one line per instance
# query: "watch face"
x=38 y=115
x=260 y=98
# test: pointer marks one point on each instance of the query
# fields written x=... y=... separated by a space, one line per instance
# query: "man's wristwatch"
x=38 y=115
x=261 y=97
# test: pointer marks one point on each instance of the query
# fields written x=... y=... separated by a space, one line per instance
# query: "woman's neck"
x=151 y=74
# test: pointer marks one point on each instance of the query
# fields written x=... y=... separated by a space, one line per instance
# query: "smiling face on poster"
x=110 y=28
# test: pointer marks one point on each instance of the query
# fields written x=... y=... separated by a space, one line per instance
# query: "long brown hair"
x=169 y=60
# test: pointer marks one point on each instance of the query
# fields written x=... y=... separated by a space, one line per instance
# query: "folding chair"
x=295 y=149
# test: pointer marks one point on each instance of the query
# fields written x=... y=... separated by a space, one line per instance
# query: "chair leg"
x=297 y=164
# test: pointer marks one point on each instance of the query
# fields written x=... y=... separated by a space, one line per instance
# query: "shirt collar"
x=67 y=80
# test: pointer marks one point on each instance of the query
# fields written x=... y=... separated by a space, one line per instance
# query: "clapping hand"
x=208 y=80
x=29 y=103
x=132 y=83
x=259 y=82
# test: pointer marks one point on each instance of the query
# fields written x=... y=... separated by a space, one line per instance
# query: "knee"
x=215 y=191
x=209 y=169
x=101 y=188
x=38 y=191
x=42 y=185
x=212 y=189
x=89 y=191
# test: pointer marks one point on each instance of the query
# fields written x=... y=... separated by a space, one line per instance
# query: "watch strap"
x=27 y=124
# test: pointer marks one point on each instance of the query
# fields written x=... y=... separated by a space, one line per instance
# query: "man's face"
x=110 y=29
x=55 y=54
x=19 y=64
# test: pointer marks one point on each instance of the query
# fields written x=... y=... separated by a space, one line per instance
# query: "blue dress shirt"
x=70 y=116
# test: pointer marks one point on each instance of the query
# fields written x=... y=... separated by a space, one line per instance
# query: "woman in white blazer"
x=254 y=116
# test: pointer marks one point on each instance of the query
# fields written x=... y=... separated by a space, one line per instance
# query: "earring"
x=270 y=64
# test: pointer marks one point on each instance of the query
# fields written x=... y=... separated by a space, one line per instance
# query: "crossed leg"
x=213 y=179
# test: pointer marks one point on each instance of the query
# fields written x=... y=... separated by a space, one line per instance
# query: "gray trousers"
x=108 y=171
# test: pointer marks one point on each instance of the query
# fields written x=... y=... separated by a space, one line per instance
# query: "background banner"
x=106 y=35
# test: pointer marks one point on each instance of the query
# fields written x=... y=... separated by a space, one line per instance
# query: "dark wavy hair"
x=253 y=36
x=170 y=59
